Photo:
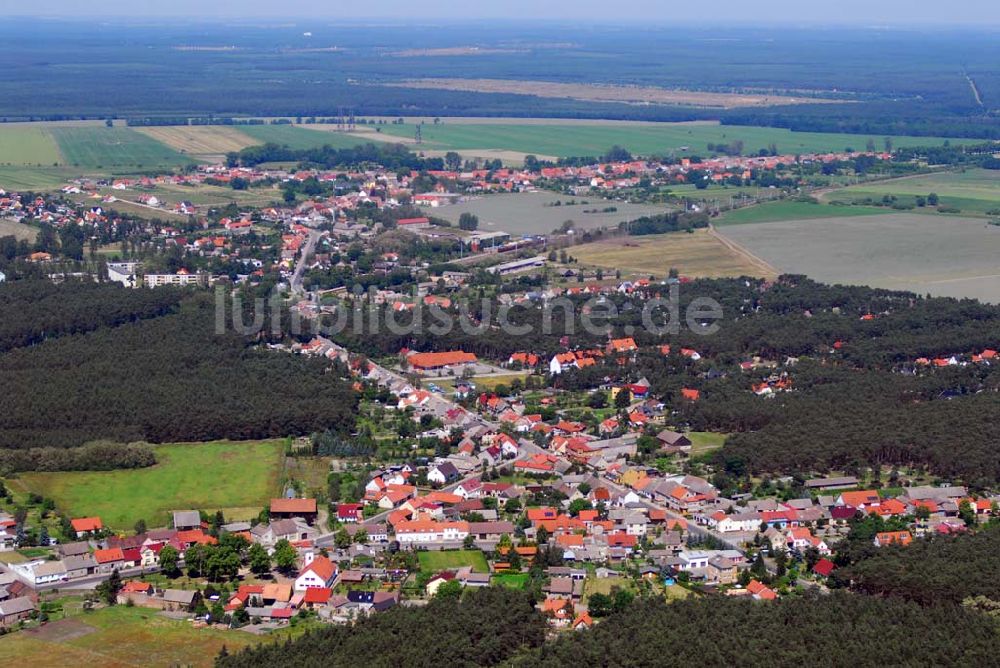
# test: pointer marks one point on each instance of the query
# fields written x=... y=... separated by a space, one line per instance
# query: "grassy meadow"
x=792 y=210
x=238 y=478
x=122 y=636
x=975 y=191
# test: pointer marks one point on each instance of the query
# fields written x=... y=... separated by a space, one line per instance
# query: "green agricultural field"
x=23 y=144
x=302 y=137
x=35 y=178
x=434 y=561
x=122 y=636
x=973 y=191
x=234 y=477
x=118 y=148
x=564 y=140
x=793 y=210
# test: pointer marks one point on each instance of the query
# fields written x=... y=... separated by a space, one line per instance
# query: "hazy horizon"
x=871 y=13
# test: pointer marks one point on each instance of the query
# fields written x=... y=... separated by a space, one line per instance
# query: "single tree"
x=259 y=559
x=284 y=556
x=168 y=561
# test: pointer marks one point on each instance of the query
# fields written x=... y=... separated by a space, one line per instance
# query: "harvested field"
x=611 y=93
x=61 y=630
x=698 y=255
x=928 y=254
x=202 y=140
x=533 y=213
x=453 y=51
x=19 y=230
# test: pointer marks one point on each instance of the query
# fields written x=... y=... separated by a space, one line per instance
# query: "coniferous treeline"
x=98 y=456
x=486 y=628
x=940 y=569
x=390 y=156
x=34 y=311
x=495 y=627
x=163 y=379
x=834 y=631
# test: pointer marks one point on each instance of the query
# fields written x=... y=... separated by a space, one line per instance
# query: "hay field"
x=28 y=144
x=936 y=254
x=612 y=93
x=200 y=140
x=697 y=255
x=19 y=230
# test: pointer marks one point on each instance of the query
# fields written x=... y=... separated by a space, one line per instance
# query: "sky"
x=862 y=12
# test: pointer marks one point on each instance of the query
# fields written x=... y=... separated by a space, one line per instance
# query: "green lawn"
x=793 y=210
x=703 y=442
x=302 y=137
x=440 y=560
x=27 y=145
x=511 y=580
x=592 y=140
x=238 y=478
x=594 y=585
x=117 y=148
x=122 y=636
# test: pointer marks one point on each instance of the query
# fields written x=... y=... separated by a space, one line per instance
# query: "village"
x=581 y=512
x=151 y=235
x=528 y=470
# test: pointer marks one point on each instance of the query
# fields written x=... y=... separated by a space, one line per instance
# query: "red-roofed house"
x=823 y=567
x=760 y=591
x=84 y=525
x=320 y=572
x=288 y=508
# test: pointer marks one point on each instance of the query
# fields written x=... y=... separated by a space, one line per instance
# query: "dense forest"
x=157 y=379
x=390 y=156
x=835 y=630
x=486 y=628
x=952 y=569
x=903 y=82
x=493 y=627
x=34 y=311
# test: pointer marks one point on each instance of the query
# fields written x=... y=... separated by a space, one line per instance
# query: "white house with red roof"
x=318 y=572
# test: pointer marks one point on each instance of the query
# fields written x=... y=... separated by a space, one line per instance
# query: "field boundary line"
x=741 y=250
